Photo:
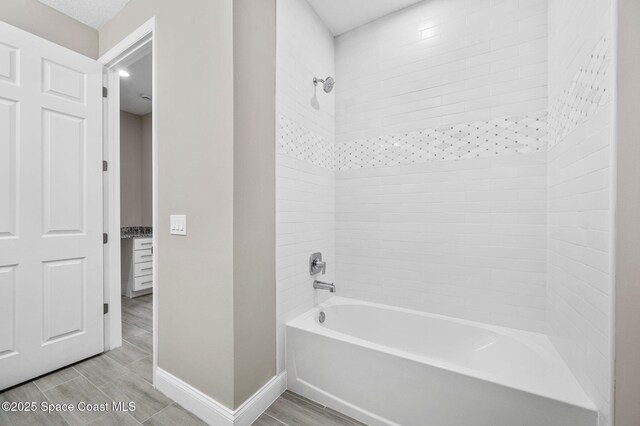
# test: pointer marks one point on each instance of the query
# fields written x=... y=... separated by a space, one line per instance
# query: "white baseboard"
x=252 y=408
x=210 y=410
x=203 y=406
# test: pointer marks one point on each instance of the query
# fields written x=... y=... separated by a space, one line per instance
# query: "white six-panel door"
x=50 y=206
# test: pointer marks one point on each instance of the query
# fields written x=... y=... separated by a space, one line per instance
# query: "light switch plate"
x=178 y=224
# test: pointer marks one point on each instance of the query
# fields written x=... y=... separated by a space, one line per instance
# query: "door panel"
x=7 y=310
x=64 y=173
x=8 y=63
x=63 y=81
x=50 y=206
x=63 y=302
x=8 y=161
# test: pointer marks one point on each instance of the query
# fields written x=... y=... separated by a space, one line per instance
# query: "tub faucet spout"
x=320 y=285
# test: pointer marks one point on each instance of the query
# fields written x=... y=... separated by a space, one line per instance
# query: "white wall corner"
x=210 y=410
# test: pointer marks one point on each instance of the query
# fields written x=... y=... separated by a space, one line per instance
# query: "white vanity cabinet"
x=137 y=266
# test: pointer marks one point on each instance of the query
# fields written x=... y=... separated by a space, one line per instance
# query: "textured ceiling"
x=341 y=16
x=94 y=13
x=138 y=83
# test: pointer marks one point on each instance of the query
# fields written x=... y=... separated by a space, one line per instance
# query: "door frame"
x=140 y=40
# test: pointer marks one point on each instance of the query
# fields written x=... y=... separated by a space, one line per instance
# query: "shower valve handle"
x=316 y=264
x=320 y=265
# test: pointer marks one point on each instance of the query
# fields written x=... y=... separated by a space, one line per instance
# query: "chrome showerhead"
x=327 y=83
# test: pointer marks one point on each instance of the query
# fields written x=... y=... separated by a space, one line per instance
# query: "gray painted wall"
x=195 y=177
x=147 y=172
x=254 y=55
x=48 y=23
x=216 y=295
x=627 y=238
x=135 y=170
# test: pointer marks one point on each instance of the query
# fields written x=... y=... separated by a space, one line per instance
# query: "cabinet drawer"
x=144 y=255
x=141 y=269
x=141 y=283
x=142 y=243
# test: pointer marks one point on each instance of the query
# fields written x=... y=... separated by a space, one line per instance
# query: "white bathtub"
x=390 y=366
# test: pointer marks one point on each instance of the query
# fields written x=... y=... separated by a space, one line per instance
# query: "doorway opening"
x=136 y=227
x=130 y=197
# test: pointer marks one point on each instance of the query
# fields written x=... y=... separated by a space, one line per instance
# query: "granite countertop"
x=136 y=232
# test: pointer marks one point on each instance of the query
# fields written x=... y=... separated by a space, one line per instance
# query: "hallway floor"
x=125 y=374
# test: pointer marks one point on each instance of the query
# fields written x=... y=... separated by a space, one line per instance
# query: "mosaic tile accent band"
x=587 y=92
x=520 y=134
x=298 y=142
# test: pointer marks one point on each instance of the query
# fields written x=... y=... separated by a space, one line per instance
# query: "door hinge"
x=105 y=91
x=105 y=165
x=105 y=238
x=105 y=308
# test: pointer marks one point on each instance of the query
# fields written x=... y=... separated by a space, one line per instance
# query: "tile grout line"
x=111 y=399
x=138 y=347
x=108 y=397
x=51 y=402
x=306 y=401
x=143 y=380
x=160 y=411
x=303 y=402
x=275 y=418
x=109 y=381
x=125 y=365
x=107 y=413
x=61 y=383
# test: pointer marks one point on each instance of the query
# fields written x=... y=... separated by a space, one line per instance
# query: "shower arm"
x=327 y=83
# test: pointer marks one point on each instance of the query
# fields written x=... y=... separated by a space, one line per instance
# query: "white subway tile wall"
x=441 y=62
x=461 y=238
x=579 y=284
x=305 y=212
x=306 y=224
x=304 y=49
x=468 y=237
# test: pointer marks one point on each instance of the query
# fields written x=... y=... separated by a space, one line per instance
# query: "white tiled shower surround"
x=441 y=62
x=579 y=282
x=305 y=181
x=441 y=133
x=467 y=172
x=461 y=238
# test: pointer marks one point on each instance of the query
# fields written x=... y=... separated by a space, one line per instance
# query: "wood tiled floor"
x=294 y=410
x=124 y=374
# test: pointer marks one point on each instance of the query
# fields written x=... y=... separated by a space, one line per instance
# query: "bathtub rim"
x=307 y=322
